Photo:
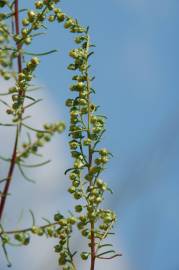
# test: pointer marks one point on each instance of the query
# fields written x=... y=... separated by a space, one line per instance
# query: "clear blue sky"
x=136 y=65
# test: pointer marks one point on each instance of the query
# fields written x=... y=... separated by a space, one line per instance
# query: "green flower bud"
x=79 y=39
x=95 y=170
x=82 y=101
x=72 y=220
x=104 y=159
x=78 y=164
x=6 y=76
x=78 y=195
x=5 y=238
x=93 y=119
x=61 y=127
x=24 y=32
x=19 y=237
x=98 y=200
x=58 y=217
x=39 y=143
x=62 y=222
x=47 y=137
x=57 y=10
x=85 y=232
x=49 y=232
x=51 y=18
x=25 y=22
x=35 y=229
x=103 y=227
x=73 y=144
x=35 y=61
x=58 y=248
x=69 y=102
x=76 y=183
x=3 y=3
x=62 y=260
x=92 y=107
x=60 y=17
x=80 y=225
x=78 y=208
x=84 y=255
x=72 y=189
x=68 y=23
x=104 y=152
x=104 y=187
x=73 y=176
x=31 y=15
x=99 y=182
x=87 y=142
x=98 y=161
x=39 y=4
x=39 y=135
x=73 y=53
x=9 y=111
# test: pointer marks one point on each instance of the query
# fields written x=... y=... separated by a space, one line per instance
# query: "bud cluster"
x=86 y=130
x=5 y=56
x=42 y=137
x=19 y=91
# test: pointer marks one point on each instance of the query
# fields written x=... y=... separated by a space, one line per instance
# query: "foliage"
x=86 y=130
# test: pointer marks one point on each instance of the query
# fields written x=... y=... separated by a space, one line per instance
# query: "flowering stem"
x=90 y=156
x=13 y=159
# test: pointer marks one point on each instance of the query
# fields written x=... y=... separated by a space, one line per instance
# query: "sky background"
x=136 y=65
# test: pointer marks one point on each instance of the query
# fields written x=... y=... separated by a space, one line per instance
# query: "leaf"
x=5 y=159
x=3 y=180
x=40 y=54
x=6 y=255
x=91 y=53
x=35 y=165
x=68 y=170
x=33 y=217
x=5 y=94
x=31 y=98
x=24 y=175
x=5 y=103
x=7 y=125
x=39 y=34
x=110 y=190
x=93 y=78
x=34 y=129
x=33 y=103
x=102 y=116
x=105 y=245
x=48 y=221
x=106 y=252
x=92 y=90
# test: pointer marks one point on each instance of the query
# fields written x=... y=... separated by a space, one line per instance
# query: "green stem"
x=90 y=156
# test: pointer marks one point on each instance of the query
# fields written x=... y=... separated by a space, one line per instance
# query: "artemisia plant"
x=86 y=130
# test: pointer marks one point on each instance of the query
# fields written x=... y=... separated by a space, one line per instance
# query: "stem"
x=29 y=229
x=92 y=227
x=21 y=93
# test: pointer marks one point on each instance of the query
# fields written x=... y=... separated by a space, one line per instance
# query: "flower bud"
x=78 y=208
x=84 y=255
x=39 y=4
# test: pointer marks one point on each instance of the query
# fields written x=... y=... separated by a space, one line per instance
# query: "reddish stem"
x=93 y=252
x=14 y=153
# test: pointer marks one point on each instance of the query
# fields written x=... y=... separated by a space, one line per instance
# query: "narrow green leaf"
x=34 y=129
x=40 y=54
x=35 y=165
x=106 y=252
x=24 y=175
x=33 y=217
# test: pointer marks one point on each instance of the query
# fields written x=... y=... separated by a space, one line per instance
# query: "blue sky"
x=136 y=65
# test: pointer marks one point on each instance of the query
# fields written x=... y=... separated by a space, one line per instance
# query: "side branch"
x=13 y=159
